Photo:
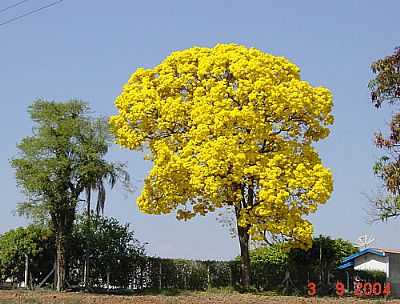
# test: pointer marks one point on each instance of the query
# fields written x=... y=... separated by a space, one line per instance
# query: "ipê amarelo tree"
x=229 y=126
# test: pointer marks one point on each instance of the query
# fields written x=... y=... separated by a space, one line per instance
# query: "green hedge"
x=181 y=274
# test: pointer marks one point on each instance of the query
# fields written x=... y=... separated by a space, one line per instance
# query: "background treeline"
x=118 y=262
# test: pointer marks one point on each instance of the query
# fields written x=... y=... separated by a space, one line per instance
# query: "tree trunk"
x=88 y=198
x=26 y=271
x=87 y=261
x=244 y=257
x=60 y=259
x=108 y=281
x=160 y=276
x=86 y=272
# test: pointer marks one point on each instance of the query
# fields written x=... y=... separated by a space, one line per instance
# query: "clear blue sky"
x=88 y=49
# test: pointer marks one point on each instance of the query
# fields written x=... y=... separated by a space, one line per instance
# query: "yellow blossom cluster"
x=217 y=121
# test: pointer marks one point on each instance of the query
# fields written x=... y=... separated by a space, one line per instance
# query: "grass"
x=211 y=296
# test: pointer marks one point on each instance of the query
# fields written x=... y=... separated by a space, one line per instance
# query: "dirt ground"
x=24 y=297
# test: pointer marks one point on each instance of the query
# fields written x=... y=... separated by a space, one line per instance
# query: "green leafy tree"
x=113 y=249
x=320 y=262
x=56 y=164
x=33 y=241
x=100 y=174
x=278 y=266
x=385 y=87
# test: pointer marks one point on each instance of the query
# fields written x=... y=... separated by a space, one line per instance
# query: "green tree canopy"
x=34 y=241
x=57 y=163
x=111 y=246
x=278 y=265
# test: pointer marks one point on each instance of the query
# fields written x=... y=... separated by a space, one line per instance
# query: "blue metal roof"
x=362 y=252
x=346 y=265
x=349 y=261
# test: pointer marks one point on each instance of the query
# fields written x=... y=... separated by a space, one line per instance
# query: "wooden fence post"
x=108 y=281
x=208 y=277
x=141 y=277
x=26 y=271
x=160 y=277
x=231 y=276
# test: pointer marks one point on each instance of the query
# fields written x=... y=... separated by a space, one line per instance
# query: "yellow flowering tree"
x=229 y=126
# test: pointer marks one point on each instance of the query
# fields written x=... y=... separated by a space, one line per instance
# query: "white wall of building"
x=372 y=262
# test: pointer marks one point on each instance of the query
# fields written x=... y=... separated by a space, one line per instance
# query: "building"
x=385 y=260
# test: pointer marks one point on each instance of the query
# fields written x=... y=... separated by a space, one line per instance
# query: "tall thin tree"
x=54 y=165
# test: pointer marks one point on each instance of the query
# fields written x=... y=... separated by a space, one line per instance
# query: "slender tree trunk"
x=26 y=271
x=243 y=235
x=88 y=198
x=108 y=281
x=62 y=222
x=160 y=277
x=208 y=277
x=86 y=272
x=87 y=261
x=60 y=259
